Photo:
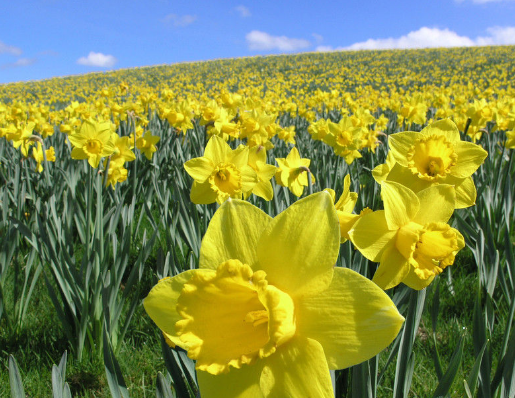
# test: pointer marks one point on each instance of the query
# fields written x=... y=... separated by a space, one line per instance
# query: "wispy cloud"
x=98 y=59
x=318 y=38
x=7 y=49
x=433 y=37
x=259 y=41
x=179 y=21
x=243 y=11
x=18 y=63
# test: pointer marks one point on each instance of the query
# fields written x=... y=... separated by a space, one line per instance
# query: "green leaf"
x=163 y=387
x=447 y=379
x=17 y=390
x=114 y=375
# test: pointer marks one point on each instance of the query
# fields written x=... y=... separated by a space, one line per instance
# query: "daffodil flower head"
x=93 y=141
x=410 y=238
x=267 y=313
x=436 y=155
x=293 y=172
x=221 y=173
x=344 y=207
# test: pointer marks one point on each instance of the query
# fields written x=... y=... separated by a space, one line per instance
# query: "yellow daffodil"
x=293 y=172
x=268 y=314
x=116 y=172
x=345 y=138
x=264 y=171
x=221 y=173
x=510 y=139
x=92 y=142
x=147 y=144
x=37 y=154
x=344 y=207
x=436 y=155
x=410 y=238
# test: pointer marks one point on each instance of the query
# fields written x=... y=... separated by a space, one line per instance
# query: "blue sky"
x=47 y=38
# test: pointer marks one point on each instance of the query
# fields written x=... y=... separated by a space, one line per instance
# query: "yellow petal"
x=400 y=144
x=415 y=282
x=353 y=319
x=300 y=246
x=465 y=193
x=297 y=369
x=436 y=204
x=264 y=190
x=161 y=303
x=217 y=150
x=199 y=168
x=238 y=383
x=202 y=194
x=371 y=234
x=233 y=233
x=470 y=157
x=400 y=204
x=445 y=127
x=392 y=269
x=405 y=176
x=249 y=178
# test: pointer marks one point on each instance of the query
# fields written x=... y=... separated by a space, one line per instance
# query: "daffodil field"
x=326 y=224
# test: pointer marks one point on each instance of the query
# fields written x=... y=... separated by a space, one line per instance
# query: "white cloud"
x=19 y=63
x=243 y=11
x=258 y=40
x=6 y=49
x=97 y=59
x=179 y=21
x=422 y=38
x=433 y=37
x=498 y=35
x=318 y=38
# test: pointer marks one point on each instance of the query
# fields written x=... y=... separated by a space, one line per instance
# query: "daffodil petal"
x=202 y=194
x=465 y=193
x=400 y=144
x=436 y=204
x=238 y=383
x=445 y=127
x=392 y=269
x=161 y=303
x=217 y=150
x=415 y=282
x=371 y=234
x=249 y=178
x=405 y=176
x=199 y=168
x=300 y=246
x=264 y=190
x=400 y=204
x=297 y=369
x=353 y=319
x=470 y=157
x=233 y=233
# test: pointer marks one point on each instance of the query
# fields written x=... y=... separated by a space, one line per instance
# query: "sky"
x=41 y=39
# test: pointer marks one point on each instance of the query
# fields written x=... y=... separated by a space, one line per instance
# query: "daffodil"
x=264 y=172
x=268 y=314
x=410 y=238
x=344 y=207
x=92 y=141
x=147 y=144
x=39 y=157
x=293 y=172
x=221 y=173
x=436 y=155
